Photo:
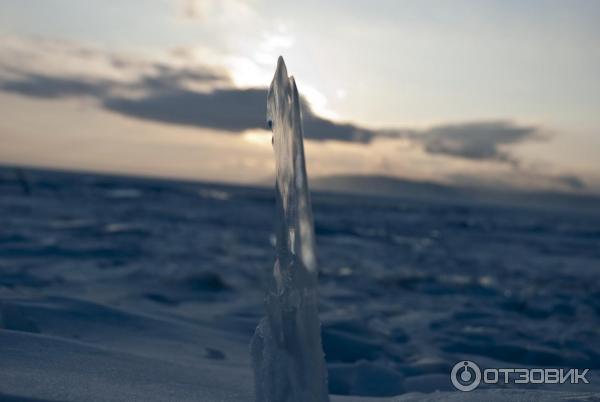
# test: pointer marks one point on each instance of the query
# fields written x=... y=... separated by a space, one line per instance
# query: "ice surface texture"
x=287 y=354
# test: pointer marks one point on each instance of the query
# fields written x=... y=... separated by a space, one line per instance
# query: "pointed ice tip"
x=281 y=71
x=280 y=62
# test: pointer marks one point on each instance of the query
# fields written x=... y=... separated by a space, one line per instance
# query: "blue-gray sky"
x=495 y=92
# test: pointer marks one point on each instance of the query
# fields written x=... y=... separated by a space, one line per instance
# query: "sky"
x=484 y=93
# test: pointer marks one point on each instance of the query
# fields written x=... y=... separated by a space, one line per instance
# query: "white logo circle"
x=465 y=375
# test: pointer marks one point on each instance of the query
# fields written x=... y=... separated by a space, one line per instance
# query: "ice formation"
x=287 y=354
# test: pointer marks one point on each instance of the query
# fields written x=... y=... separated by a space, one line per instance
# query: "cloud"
x=571 y=182
x=203 y=96
x=165 y=77
x=232 y=110
x=476 y=140
x=40 y=86
x=167 y=95
x=182 y=90
x=230 y=11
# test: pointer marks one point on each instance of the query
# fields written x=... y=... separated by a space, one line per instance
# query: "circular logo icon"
x=465 y=376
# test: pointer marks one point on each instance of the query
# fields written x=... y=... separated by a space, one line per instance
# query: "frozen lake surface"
x=117 y=288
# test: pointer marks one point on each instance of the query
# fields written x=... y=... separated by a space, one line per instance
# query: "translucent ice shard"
x=287 y=354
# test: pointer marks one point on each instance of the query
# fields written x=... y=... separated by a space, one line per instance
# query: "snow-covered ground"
x=119 y=289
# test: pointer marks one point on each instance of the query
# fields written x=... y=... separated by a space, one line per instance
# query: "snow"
x=89 y=352
x=163 y=308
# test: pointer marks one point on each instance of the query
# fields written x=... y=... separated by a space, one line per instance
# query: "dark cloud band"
x=165 y=96
x=479 y=140
x=165 y=99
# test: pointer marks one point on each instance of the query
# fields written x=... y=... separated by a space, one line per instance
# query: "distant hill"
x=374 y=185
x=387 y=186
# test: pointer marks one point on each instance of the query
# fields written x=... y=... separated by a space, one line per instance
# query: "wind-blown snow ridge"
x=287 y=354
